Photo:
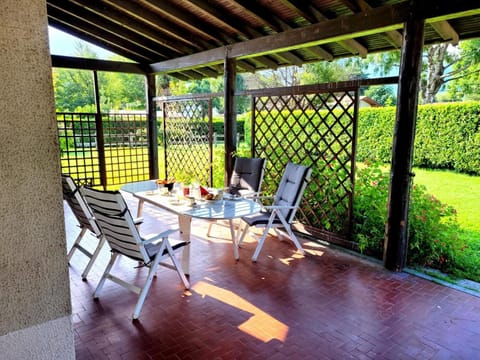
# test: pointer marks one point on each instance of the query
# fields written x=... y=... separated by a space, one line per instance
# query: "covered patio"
x=329 y=304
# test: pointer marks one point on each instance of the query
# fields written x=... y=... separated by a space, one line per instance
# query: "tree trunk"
x=435 y=71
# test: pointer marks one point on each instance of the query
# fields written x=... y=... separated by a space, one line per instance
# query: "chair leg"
x=177 y=265
x=145 y=289
x=76 y=244
x=295 y=240
x=94 y=256
x=264 y=236
x=105 y=275
x=292 y=235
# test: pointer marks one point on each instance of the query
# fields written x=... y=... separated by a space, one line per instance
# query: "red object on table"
x=186 y=191
x=203 y=191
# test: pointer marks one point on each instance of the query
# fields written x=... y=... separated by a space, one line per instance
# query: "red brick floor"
x=326 y=305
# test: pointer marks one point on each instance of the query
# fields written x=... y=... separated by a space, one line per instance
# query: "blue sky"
x=62 y=43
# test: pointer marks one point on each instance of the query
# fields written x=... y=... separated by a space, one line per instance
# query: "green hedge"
x=447 y=136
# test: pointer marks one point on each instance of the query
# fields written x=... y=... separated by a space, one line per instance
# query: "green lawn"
x=463 y=193
x=458 y=190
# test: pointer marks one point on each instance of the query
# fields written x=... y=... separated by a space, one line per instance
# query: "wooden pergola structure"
x=192 y=39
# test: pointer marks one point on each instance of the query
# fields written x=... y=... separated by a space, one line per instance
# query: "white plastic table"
x=223 y=209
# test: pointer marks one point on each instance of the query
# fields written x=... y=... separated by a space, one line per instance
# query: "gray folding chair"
x=121 y=233
x=83 y=214
x=282 y=211
x=246 y=179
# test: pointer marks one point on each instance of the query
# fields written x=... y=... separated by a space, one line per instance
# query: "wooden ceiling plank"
x=393 y=37
x=122 y=19
x=173 y=31
x=321 y=52
x=109 y=26
x=193 y=23
x=245 y=65
x=207 y=72
x=98 y=35
x=228 y=21
x=140 y=58
x=446 y=31
x=313 y=16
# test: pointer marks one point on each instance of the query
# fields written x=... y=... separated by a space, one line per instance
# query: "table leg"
x=140 y=208
x=185 y=224
x=234 y=239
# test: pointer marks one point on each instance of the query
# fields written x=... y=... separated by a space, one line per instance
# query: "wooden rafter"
x=446 y=31
x=120 y=21
x=310 y=13
x=393 y=36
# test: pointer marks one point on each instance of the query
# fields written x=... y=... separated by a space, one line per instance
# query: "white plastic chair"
x=121 y=233
x=282 y=211
x=83 y=214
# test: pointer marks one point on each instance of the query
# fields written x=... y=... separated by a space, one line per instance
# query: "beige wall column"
x=34 y=294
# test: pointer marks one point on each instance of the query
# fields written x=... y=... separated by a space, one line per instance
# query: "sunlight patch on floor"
x=260 y=325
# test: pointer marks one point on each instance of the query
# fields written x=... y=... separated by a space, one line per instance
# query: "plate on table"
x=176 y=202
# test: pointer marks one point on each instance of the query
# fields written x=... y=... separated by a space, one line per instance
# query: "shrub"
x=432 y=226
x=447 y=136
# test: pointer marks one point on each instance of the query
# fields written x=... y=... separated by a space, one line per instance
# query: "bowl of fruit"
x=168 y=183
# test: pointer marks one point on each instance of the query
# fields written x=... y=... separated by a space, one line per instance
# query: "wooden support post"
x=99 y=130
x=152 y=128
x=230 y=122
x=396 y=239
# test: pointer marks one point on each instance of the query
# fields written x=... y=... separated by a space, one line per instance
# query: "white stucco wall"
x=34 y=285
x=51 y=340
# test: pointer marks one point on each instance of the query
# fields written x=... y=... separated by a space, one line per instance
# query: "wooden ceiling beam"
x=394 y=37
x=97 y=35
x=446 y=31
x=313 y=16
x=110 y=29
x=194 y=24
x=165 y=28
x=374 y=21
x=59 y=61
x=122 y=20
x=99 y=42
x=230 y=22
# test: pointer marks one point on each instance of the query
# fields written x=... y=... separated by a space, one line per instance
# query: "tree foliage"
x=74 y=89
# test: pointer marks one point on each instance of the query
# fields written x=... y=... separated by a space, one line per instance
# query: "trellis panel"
x=315 y=128
x=188 y=140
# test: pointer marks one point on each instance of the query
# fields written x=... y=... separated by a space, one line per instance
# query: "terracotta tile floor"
x=326 y=305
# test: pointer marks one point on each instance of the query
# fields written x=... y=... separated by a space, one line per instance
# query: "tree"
x=384 y=95
x=465 y=77
x=285 y=76
x=442 y=64
x=340 y=70
x=74 y=89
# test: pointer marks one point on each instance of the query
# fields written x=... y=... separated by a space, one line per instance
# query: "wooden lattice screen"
x=104 y=150
x=316 y=128
x=188 y=139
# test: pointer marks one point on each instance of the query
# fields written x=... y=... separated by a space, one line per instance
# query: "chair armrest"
x=160 y=236
x=278 y=207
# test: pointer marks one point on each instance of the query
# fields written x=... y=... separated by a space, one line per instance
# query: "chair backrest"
x=116 y=222
x=247 y=174
x=80 y=208
x=291 y=188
